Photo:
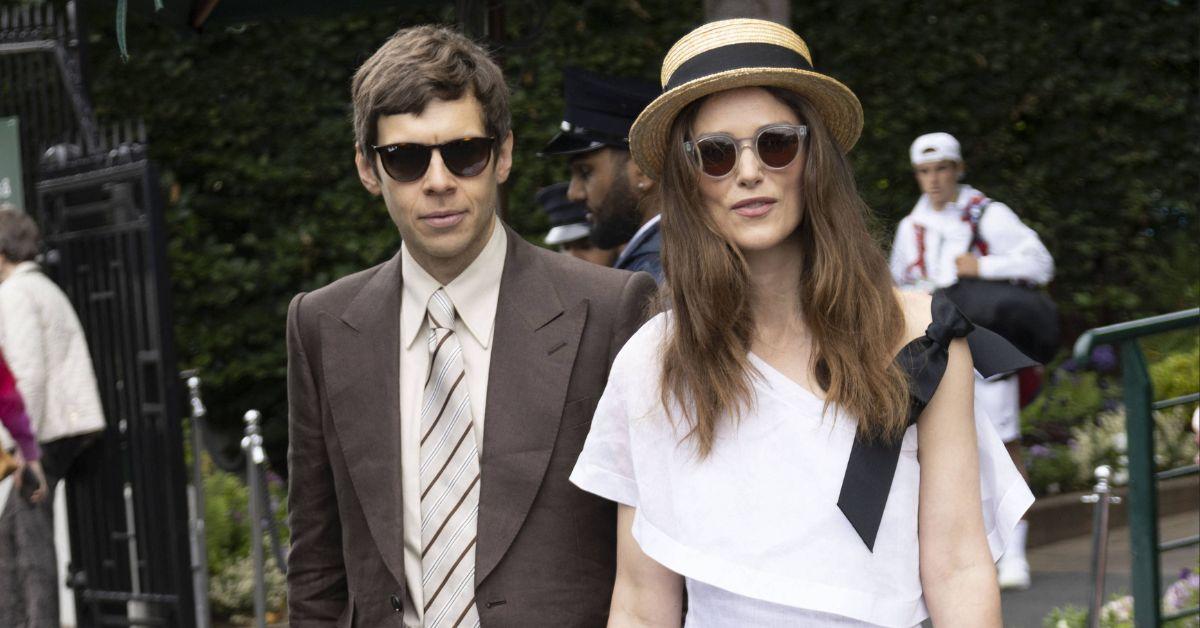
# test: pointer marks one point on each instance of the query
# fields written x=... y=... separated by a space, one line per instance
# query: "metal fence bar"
x=1103 y=498
x=1178 y=543
x=1177 y=401
x=1195 y=610
x=1139 y=427
x=199 y=529
x=252 y=445
x=1178 y=472
x=1134 y=329
x=1143 y=489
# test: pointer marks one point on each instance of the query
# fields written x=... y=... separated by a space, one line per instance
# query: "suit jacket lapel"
x=361 y=359
x=534 y=346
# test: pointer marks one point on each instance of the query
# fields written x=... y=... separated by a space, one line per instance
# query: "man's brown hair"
x=419 y=64
x=18 y=236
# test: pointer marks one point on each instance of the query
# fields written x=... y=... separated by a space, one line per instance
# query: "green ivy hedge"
x=1082 y=116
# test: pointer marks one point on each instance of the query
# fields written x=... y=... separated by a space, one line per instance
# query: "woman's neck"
x=6 y=268
x=775 y=289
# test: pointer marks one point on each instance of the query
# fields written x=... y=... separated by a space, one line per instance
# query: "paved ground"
x=1061 y=570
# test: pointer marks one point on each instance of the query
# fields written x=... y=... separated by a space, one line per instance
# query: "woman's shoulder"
x=917 y=308
x=645 y=345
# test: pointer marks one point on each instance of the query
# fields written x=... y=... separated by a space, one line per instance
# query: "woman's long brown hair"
x=845 y=288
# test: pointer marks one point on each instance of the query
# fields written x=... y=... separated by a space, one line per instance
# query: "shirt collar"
x=474 y=292
x=24 y=268
x=965 y=192
x=637 y=235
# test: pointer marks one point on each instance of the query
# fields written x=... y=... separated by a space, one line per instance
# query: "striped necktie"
x=449 y=475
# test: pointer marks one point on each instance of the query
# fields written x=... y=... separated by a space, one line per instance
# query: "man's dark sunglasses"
x=463 y=158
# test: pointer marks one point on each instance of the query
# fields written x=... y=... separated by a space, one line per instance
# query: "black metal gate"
x=127 y=497
x=95 y=196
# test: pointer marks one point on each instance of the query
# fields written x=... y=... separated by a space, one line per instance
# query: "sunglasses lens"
x=467 y=157
x=717 y=155
x=405 y=162
x=778 y=147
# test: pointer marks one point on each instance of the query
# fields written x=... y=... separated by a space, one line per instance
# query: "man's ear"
x=960 y=170
x=366 y=172
x=504 y=159
x=641 y=182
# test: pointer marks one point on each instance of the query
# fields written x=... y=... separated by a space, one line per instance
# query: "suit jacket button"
x=396 y=605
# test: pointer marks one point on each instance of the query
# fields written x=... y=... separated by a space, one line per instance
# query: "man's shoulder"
x=576 y=276
x=907 y=221
x=336 y=295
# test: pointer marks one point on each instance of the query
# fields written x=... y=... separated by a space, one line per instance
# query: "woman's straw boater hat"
x=739 y=53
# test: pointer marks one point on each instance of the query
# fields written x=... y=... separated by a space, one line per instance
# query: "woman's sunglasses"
x=463 y=158
x=776 y=147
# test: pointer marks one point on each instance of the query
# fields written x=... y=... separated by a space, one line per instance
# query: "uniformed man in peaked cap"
x=594 y=137
x=569 y=229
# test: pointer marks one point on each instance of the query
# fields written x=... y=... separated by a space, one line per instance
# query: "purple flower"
x=1070 y=365
x=1104 y=359
x=1040 y=451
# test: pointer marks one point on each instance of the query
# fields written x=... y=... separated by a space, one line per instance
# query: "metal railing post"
x=1143 y=490
x=1141 y=465
x=252 y=446
x=199 y=529
x=1101 y=498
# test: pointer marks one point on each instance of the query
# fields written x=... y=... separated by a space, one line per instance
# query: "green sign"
x=10 y=163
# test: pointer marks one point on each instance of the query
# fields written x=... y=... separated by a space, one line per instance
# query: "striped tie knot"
x=441 y=310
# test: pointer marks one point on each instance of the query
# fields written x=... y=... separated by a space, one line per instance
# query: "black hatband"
x=734 y=57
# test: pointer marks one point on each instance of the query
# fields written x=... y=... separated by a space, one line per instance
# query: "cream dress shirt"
x=474 y=294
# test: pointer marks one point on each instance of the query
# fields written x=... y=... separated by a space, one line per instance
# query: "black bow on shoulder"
x=872 y=464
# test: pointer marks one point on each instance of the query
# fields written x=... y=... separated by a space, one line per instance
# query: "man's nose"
x=438 y=179
x=575 y=192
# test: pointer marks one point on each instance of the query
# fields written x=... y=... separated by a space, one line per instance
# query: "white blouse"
x=755 y=527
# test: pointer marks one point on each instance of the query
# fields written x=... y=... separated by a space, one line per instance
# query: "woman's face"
x=756 y=207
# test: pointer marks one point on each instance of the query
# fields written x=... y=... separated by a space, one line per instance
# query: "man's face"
x=939 y=180
x=600 y=180
x=444 y=219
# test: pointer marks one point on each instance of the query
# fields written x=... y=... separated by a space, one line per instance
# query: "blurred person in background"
x=569 y=229
x=44 y=344
x=956 y=236
x=594 y=137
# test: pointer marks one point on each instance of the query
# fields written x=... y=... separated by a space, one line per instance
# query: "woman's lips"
x=753 y=207
x=443 y=220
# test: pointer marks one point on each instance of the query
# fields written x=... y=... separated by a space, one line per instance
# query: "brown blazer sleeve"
x=636 y=305
x=316 y=577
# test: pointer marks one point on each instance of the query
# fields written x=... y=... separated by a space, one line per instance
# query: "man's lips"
x=754 y=207
x=444 y=219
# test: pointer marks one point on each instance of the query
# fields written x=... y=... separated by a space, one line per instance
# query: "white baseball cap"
x=933 y=147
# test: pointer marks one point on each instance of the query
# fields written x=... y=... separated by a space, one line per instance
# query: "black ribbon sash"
x=872 y=465
x=734 y=57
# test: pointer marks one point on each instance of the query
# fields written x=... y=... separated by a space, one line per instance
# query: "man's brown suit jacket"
x=546 y=552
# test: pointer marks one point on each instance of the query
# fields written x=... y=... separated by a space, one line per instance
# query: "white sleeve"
x=605 y=466
x=1003 y=492
x=1014 y=250
x=24 y=347
x=902 y=254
